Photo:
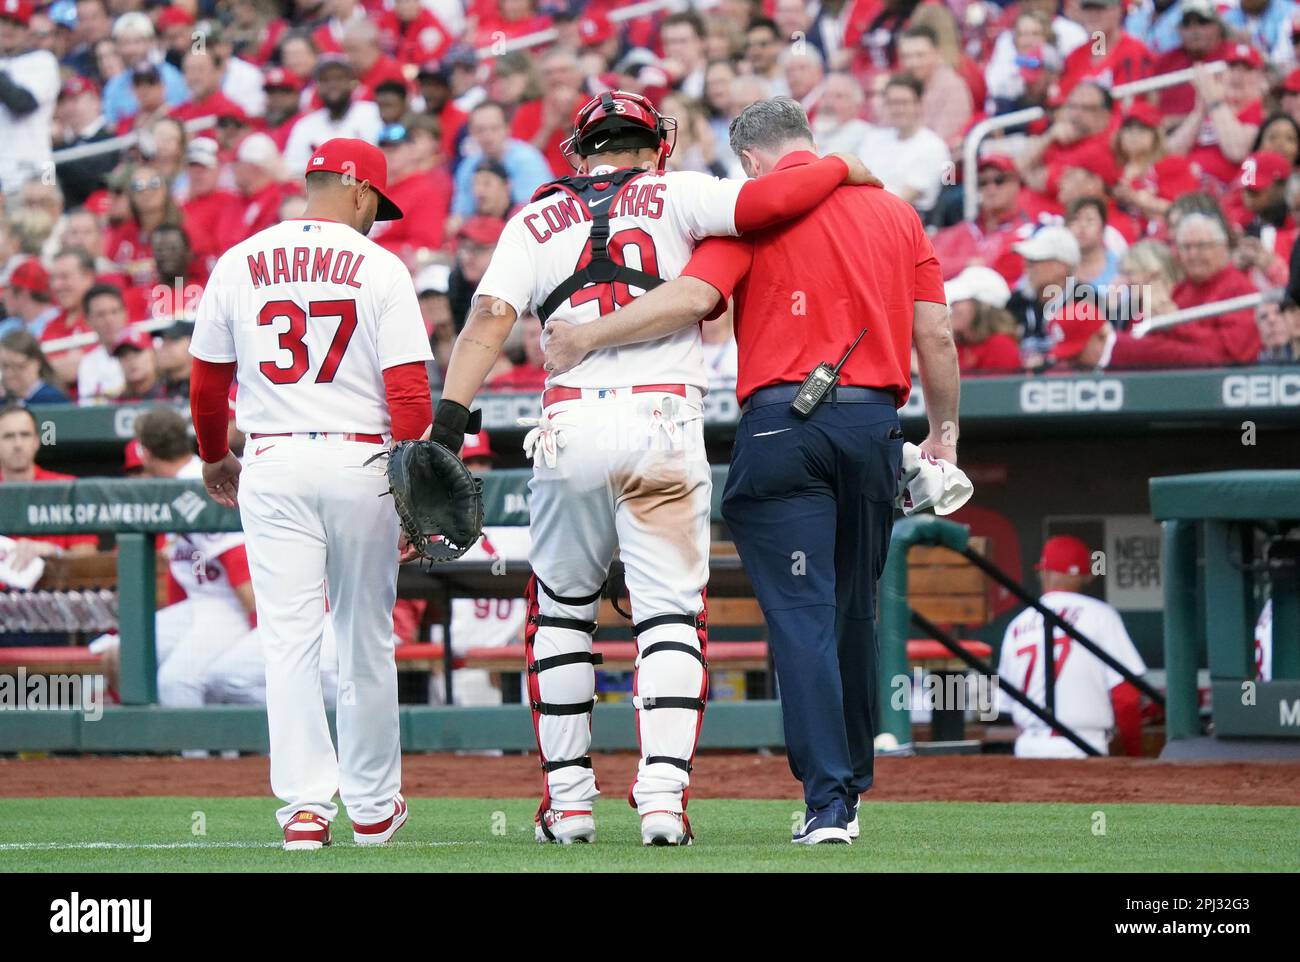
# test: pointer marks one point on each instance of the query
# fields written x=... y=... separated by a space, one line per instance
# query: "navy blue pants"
x=810 y=505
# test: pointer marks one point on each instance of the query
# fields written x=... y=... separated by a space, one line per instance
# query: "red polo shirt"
x=804 y=289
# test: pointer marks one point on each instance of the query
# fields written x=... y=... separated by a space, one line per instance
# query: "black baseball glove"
x=439 y=503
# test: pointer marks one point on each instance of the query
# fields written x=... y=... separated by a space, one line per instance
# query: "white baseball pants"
x=630 y=473
x=313 y=513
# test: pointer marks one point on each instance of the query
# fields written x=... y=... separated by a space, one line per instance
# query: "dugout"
x=1231 y=543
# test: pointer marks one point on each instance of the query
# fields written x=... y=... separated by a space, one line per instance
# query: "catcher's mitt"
x=439 y=503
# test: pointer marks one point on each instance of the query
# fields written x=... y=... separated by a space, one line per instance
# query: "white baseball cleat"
x=381 y=832
x=665 y=828
x=566 y=828
x=306 y=832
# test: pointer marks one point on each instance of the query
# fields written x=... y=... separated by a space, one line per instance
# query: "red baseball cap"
x=135 y=338
x=132 y=457
x=20 y=11
x=175 y=17
x=1065 y=554
x=595 y=28
x=476 y=446
x=1291 y=85
x=346 y=155
x=1243 y=53
x=1000 y=162
x=77 y=84
x=278 y=78
x=1074 y=327
x=1097 y=159
x=30 y=276
x=482 y=229
x=1142 y=112
x=1264 y=168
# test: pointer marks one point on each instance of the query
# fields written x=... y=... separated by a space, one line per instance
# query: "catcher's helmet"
x=620 y=120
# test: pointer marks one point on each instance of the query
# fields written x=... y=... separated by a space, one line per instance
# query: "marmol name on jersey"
x=307 y=265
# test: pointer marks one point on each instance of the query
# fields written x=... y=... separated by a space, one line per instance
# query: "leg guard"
x=669 y=691
x=561 y=693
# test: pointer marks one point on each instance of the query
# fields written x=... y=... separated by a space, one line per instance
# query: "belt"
x=554 y=395
x=322 y=435
x=779 y=393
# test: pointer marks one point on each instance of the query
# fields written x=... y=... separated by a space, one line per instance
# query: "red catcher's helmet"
x=620 y=120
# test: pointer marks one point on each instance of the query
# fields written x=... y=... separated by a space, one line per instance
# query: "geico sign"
x=1051 y=396
x=1261 y=390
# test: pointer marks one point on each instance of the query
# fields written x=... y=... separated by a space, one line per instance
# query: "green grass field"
x=495 y=835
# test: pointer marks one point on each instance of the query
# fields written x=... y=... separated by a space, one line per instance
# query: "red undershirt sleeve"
x=210 y=407
x=410 y=407
x=786 y=194
x=721 y=262
x=1128 y=718
x=235 y=561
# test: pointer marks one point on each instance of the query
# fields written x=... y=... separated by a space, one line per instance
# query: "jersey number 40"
x=292 y=341
x=616 y=294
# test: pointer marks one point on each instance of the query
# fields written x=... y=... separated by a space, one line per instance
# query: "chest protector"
x=597 y=195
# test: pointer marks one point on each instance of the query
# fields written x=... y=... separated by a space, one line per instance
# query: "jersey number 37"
x=292 y=340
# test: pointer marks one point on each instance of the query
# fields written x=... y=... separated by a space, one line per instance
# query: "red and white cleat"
x=665 y=828
x=381 y=832
x=306 y=832
x=566 y=828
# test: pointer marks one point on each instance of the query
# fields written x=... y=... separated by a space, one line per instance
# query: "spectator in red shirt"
x=547 y=121
x=1092 y=173
x=1218 y=133
x=414 y=32
x=984 y=331
x=373 y=67
x=508 y=19
x=20 y=441
x=1000 y=223
x=72 y=275
x=1232 y=338
x=1110 y=57
x=203 y=77
x=435 y=87
x=181 y=276
x=411 y=186
x=1288 y=93
x=283 y=92
x=1203 y=34
x=208 y=206
x=1269 y=230
x=328 y=37
x=1085 y=119
x=134 y=350
x=258 y=178
x=475 y=241
x=151 y=205
x=1150 y=177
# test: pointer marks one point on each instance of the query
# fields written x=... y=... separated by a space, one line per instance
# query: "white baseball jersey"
x=491 y=622
x=310 y=360
x=193 y=557
x=362 y=121
x=1083 y=681
x=655 y=222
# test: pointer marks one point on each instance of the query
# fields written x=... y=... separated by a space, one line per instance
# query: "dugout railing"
x=897 y=618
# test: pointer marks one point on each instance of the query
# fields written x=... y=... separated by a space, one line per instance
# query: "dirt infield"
x=717 y=775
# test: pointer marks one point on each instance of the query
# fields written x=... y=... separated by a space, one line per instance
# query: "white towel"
x=930 y=483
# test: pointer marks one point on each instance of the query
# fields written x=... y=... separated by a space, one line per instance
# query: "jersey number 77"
x=291 y=340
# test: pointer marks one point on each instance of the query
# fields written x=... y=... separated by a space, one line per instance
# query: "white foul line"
x=68 y=846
